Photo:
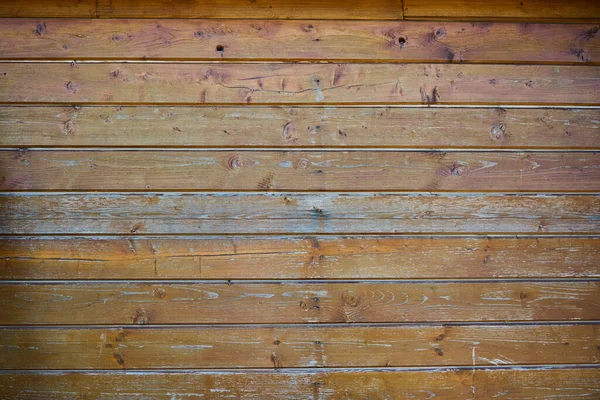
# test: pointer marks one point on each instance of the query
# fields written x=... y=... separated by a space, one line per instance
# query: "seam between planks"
x=309 y=325
x=517 y=367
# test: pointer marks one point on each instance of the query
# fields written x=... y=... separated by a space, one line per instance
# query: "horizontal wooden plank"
x=307 y=384
x=48 y=8
x=489 y=128
x=298 y=258
x=281 y=83
x=296 y=302
x=298 y=40
x=269 y=213
x=158 y=170
x=295 y=347
x=281 y=9
x=532 y=10
x=532 y=384
x=536 y=10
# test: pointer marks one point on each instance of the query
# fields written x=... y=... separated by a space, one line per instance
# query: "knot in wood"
x=68 y=127
x=142 y=316
x=40 y=29
x=303 y=163
x=458 y=169
x=235 y=162
x=498 y=132
x=350 y=298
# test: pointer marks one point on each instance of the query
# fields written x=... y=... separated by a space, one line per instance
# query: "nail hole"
x=220 y=47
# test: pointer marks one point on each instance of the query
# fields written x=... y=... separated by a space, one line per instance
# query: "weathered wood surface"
x=126 y=280
x=274 y=213
x=298 y=258
x=286 y=9
x=532 y=10
x=307 y=385
x=297 y=302
x=298 y=40
x=289 y=83
x=48 y=8
x=513 y=10
x=385 y=127
x=532 y=384
x=160 y=170
x=280 y=9
x=295 y=347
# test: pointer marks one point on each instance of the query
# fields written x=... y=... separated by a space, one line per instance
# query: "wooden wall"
x=301 y=199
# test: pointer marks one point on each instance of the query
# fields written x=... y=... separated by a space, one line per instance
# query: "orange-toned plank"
x=48 y=8
x=306 y=384
x=159 y=170
x=280 y=9
x=296 y=302
x=294 y=347
x=298 y=40
x=537 y=384
x=491 y=128
x=284 y=83
x=298 y=258
x=272 y=213
x=249 y=384
x=530 y=10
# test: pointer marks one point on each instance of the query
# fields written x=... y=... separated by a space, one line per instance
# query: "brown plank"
x=48 y=8
x=281 y=83
x=271 y=213
x=82 y=39
x=280 y=9
x=444 y=384
x=298 y=258
x=296 y=302
x=152 y=170
x=295 y=347
x=536 y=384
x=490 y=128
x=253 y=384
x=530 y=10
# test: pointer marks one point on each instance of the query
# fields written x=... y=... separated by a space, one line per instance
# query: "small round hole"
x=220 y=47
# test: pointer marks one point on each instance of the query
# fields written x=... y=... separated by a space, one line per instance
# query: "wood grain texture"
x=286 y=9
x=48 y=8
x=281 y=83
x=298 y=258
x=253 y=384
x=531 y=384
x=531 y=10
x=306 y=384
x=280 y=9
x=297 y=347
x=171 y=213
x=160 y=170
x=82 y=39
x=489 y=128
x=155 y=241
x=296 y=302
